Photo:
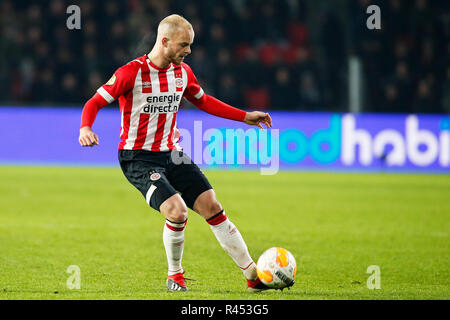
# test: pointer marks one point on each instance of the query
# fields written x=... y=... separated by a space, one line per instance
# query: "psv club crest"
x=155 y=176
x=179 y=83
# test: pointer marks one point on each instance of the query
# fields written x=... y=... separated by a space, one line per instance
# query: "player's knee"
x=214 y=207
x=175 y=211
x=178 y=213
x=207 y=205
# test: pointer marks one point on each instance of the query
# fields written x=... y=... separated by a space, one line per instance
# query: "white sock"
x=173 y=238
x=231 y=240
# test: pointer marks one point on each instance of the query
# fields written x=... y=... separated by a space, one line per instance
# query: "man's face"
x=179 y=45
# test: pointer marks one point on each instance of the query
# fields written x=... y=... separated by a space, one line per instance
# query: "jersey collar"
x=156 y=67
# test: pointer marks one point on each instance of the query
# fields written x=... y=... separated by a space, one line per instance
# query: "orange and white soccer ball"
x=276 y=268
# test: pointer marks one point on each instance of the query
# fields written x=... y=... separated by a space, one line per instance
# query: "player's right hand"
x=87 y=137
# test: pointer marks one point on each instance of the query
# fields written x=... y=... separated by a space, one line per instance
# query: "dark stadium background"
x=361 y=118
x=271 y=55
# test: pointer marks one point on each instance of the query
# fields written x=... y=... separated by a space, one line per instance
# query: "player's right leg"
x=175 y=211
x=145 y=170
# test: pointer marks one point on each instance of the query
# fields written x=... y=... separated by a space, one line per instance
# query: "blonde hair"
x=171 y=24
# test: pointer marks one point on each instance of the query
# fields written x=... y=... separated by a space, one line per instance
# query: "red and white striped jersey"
x=149 y=98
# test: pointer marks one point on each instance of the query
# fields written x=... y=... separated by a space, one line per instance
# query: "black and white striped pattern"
x=173 y=286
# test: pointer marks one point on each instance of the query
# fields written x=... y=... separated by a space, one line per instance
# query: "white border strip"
x=105 y=94
x=199 y=94
x=149 y=194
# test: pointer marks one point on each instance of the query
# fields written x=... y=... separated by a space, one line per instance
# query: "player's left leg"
x=199 y=196
x=226 y=232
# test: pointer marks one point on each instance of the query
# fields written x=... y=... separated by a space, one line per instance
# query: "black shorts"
x=160 y=175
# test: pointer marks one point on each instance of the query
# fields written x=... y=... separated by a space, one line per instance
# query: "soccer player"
x=149 y=90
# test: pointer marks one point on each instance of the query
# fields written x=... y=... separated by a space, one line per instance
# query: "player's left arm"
x=257 y=117
x=195 y=94
x=218 y=108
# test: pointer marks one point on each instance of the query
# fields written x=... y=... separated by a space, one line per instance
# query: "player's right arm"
x=87 y=137
x=121 y=82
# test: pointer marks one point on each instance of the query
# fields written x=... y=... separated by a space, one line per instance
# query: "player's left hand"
x=258 y=117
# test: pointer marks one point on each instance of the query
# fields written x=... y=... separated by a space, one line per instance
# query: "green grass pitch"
x=335 y=224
